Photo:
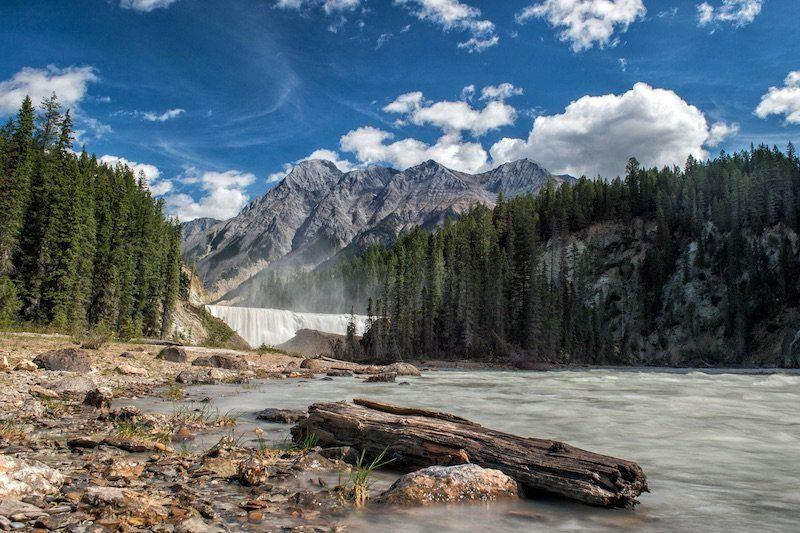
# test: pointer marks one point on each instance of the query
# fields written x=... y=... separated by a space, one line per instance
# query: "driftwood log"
x=417 y=438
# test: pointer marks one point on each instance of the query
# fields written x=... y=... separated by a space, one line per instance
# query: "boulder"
x=281 y=416
x=4 y=366
x=339 y=373
x=402 y=369
x=73 y=386
x=66 y=359
x=26 y=366
x=139 y=510
x=381 y=378
x=99 y=398
x=173 y=354
x=450 y=484
x=228 y=362
x=19 y=478
x=127 y=369
x=314 y=365
x=20 y=510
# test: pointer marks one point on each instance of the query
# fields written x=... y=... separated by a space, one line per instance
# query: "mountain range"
x=317 y=211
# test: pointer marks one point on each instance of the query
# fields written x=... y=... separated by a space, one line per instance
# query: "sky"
x=214 y=101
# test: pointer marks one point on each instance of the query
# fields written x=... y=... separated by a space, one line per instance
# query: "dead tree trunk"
x=416 y=438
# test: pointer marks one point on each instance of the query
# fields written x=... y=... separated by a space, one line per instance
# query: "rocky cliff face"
x=317 y=211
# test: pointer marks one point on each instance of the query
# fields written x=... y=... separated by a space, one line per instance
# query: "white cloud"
x=327 y=155
x=454 y=15
x=70 y=85
x=145 y=5
x=90 y=129
x=737 y=12
x=151 y=116
x=371 y=147
x=330 y=6
x=500 y=92
x=458 y=116
x=597 y=134
x=719 y=132
x=783 y=100
x=224 y=195
x=585 y=23
x=152 y=174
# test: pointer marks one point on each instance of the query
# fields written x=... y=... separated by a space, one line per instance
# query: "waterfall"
x=272 y=327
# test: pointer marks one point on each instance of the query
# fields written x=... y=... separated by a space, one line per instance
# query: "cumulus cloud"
x=329 y=6
x=223 y=195
x=454 y=15
x=169 y=114
x=500 y=92
x=151 y=173
x=145 y=5
x=719 y=132
x=372 y=146
x=597 y=134
x=783 y=100
x=736 y=12
x=70 y=84
x=456 y=116
x=584 y=23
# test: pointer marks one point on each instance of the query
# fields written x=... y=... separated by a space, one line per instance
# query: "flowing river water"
x=721 y=449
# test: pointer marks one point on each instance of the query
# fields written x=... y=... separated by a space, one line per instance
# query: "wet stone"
x=282 y=416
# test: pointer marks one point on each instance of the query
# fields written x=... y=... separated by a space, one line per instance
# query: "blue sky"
x=216 y=100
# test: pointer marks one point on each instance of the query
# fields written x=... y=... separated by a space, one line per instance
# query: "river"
x=721 y=449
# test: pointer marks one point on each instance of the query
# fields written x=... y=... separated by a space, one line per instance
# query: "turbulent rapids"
x=272 y=327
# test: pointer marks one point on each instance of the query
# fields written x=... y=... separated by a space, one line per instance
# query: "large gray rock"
x=228 y=362
x=402 y=369
x=73 y=386
x=19 y=478
x=281 y=416
x=448 y=484
x=65 y=359
x=173 y=354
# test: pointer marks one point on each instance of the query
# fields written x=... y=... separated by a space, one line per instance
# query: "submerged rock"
x=20 y=478
x=281 y=416
x=172 y=354
x=446 y=484
x=252 y=472
x=402 y=369
x=65 y=359
x=339 y=373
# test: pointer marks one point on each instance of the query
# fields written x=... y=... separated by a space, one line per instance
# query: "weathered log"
x=416 y=438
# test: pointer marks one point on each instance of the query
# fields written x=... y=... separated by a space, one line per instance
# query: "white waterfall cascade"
x=259 y=326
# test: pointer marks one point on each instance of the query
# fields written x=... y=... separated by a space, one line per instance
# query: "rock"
x=99 y=398
x=139 y=510
x=446 y=484
x=134 y=445
x=341 y=453
x=73 y=386
x=123 y=469
x=19 y=509
x=200 y=376
x=404 y=383
x=66 y=359
x=252 y=472
x=313 y=461
x=84 y=442
x=314 y=365
x=41 y=392
x=381 y=378
x=20 y=478
x=4 y=366
x=128 y=355
x=202 y=361
x=281 y=416
x=128 y=369
x=26 y=366
x=215 y=375
x=195 y=524
x=402 y=369
x=339 y=373
x=173 y=354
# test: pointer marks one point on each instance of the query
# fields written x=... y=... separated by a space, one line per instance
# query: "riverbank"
x=76 y=455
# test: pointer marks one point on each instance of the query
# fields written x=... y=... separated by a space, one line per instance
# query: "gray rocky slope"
x=317 y=211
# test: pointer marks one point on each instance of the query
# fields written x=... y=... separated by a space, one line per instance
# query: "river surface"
x=721 y=450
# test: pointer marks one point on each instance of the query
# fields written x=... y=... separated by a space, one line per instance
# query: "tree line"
x=82 y=244
x=525 y=279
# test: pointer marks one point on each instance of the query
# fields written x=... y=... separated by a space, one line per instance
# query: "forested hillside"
x=82 y=245
x=692 y=266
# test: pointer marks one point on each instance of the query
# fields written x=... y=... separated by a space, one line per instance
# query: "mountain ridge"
x=317 y=211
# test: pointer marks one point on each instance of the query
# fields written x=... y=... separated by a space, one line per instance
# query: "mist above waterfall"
x=271 y=327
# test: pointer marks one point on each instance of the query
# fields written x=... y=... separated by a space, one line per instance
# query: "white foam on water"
x=259 y=326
